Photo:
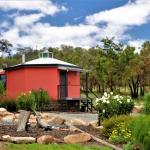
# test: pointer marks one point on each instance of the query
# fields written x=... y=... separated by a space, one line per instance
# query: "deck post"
x=86 y=78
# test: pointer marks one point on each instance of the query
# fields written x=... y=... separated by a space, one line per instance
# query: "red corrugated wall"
x=73 y=84
x=26 y=79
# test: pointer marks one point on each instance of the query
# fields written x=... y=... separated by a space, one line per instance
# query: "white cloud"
x=35 y=33
x=41 y=35
x=137 y=44
x=43 y=6
x=26 y=20
x=133 y=13
x=119 y=20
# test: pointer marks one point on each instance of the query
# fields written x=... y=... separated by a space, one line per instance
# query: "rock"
x=4 y=112
x=18 y=140
x=17 y=115
x=77 y=138
x=137 y=109
x=22 y=140
x=46 y=115
x=9 y=119
x=32 y=117
x=32 y=121
x=48 y=139
x=93 y=124
x=56 y=120
x=6 y=138
x=76 y=122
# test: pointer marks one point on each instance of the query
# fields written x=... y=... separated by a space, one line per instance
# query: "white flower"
x=128 y=100
x=111 y=93
x=107 y=102
x=121 y=97
x=105 y=94
x=103 y=111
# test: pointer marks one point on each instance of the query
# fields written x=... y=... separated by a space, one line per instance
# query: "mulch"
x=33 y=132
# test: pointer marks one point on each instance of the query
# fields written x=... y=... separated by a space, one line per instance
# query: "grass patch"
x=53 y=147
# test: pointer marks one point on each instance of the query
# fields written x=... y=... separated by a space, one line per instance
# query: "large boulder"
x=46 y=115
x=4 y=112
x=18 y=140
x=9 y=119
x=93 y=124
x=56 y=120
x=77 y=138
x=76 y=122
x=47 y=139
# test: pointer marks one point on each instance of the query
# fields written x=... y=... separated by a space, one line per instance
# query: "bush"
x=146 y=108
x=110 y=124
x=8 y=103
x=120 y=134
x=140 y=128
x=33 y=100
x=110 y=105
x=2 y=89
x=41 y=99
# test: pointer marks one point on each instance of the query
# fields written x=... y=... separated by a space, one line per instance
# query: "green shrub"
x=146 y=108
x=110 y=124
x=120 y=134
x=140 y=128
x=33 y=100
x=128 y=146
x=41 y=99
x=110 y=105
x=8 y=103
x=2 y=89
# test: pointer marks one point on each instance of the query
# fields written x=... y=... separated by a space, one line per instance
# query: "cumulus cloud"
x=41 y=34
x=133 y=13
x=28 y=30
x=43 y=6
x=137 y=44
x=26 y=20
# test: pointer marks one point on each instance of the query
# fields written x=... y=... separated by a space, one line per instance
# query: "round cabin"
x=60 y=79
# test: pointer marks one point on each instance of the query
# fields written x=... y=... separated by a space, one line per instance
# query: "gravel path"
x=88 y=117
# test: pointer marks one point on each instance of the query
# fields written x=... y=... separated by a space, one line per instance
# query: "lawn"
x=53 y=147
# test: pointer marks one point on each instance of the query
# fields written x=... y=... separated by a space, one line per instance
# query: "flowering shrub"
x=110 y=124
x=33 y=100
x=110 y=105
x=120 y=134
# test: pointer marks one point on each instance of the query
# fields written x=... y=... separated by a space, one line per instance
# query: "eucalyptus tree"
x=5 y=47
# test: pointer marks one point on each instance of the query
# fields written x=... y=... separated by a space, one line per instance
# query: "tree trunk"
x=23 y=120
x=41 y=123
x=134 y=87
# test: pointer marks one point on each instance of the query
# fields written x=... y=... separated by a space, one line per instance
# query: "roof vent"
x=46 y=54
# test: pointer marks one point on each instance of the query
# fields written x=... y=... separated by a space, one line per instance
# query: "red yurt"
x=60 y=79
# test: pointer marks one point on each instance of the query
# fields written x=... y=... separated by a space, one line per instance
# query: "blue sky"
x=43 y=23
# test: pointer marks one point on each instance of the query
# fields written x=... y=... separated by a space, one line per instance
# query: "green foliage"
x=140 y=128
x=146 y=108
x=41 y=98
x=120 y=134
x=128 y=146
x=110 y=124
x=8 y=103
x=2 y=89
x=33 y=100
x=110 y=105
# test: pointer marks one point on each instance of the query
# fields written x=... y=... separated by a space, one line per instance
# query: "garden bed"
x=37 y=132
